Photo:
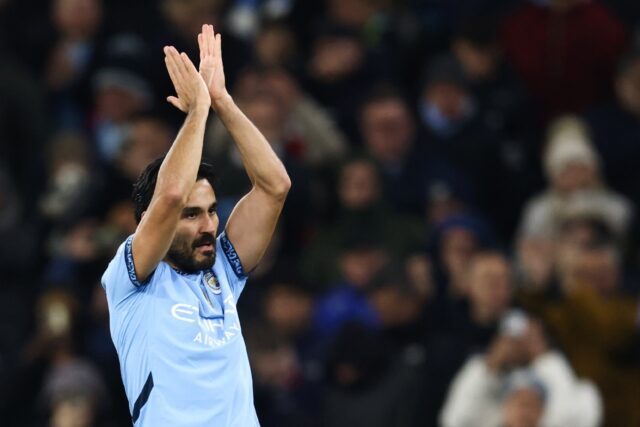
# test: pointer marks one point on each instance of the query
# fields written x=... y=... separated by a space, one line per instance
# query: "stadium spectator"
x=575 y=189
x=502 y=101
x=455 y=135
x=565 y=51
x=454 y=241
x=615 y=125
x=593 y=321
x=121 y=90
x=338 y=67
x=360 y=210
x=365 y=375
x=72 y=58
x=467 y=327
x=278 y=379
x=520 y=358
x=390 y=136
x=277 y=45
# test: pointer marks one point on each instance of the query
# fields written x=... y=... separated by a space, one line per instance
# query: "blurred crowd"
x=459 y=246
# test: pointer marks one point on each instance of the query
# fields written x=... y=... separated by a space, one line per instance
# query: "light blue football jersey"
x=182 y=356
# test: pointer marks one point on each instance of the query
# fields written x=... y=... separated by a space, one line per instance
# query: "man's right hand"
x=191 y=89
x=502 y=353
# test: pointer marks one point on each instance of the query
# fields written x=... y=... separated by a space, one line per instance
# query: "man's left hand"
x=211 y=67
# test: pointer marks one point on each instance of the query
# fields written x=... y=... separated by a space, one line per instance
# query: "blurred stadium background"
x=460 y=246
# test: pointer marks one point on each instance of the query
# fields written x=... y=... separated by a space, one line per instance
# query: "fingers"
x=201 y=45
x=174 y=63
x=176 y=103
x=209 y=42
x=207 y=31
x=182 y=66
x=189 y=68
x=179 y=66
x=208 y=39
x=172 y=68
x=182 y=72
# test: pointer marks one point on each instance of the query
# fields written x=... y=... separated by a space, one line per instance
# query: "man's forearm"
x=263 y=166
x=180 y=167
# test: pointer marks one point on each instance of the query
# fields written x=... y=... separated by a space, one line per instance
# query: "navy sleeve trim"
x=131 y=268
x=232 y=256
x=142 y=398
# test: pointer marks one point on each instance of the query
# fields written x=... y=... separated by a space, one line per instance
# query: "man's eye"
x=191 y=215
x=212 y=211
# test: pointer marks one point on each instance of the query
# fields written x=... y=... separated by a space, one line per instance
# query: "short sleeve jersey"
x=182 y=356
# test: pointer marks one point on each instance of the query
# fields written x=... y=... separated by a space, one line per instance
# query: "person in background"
x=361 y=211
x=503 y=104
x=147 y=135
x=52 y=368
x=455 y=135
x=368 y=383
x=575 y=188
x=277 y=45
x=361 y=259
x=391 y=138
x=121 y=90
x=454 y=241
x=594 y=322
x=545 y=41
x=475 y=394
x=68 y=178
x=466 y=327
x=72 y=58
x=289 y=358
x=281 y=393
x=496 y=88
x=339 y=69
x=615 y=127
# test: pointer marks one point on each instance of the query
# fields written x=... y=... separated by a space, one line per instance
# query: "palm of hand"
x=213 y=75
x=211 y=67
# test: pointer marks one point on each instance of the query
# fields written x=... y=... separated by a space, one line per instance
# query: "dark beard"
x=182 y=254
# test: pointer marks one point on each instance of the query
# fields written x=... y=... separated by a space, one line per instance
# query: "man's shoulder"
x=229 y=257
x=117 y=264
x=120 y=275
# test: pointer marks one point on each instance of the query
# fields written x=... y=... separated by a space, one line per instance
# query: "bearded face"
x=192 y=255
x=194 y=245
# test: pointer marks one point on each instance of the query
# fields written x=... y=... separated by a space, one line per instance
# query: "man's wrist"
x=221 y=103
x=200 y=107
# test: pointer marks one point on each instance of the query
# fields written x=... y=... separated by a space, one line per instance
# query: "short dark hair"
x=145 y=186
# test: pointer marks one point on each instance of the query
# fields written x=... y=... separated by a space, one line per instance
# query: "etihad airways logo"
x=212 y=332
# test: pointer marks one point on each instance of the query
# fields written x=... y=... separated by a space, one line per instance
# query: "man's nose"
x=210 y=224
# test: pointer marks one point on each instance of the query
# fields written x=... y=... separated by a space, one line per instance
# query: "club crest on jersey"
x=211 y=281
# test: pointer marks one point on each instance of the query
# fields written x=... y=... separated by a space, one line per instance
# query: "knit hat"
x=568 y=142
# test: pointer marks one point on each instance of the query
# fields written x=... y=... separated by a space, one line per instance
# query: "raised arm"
x=254 y=218
x=179 y=169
